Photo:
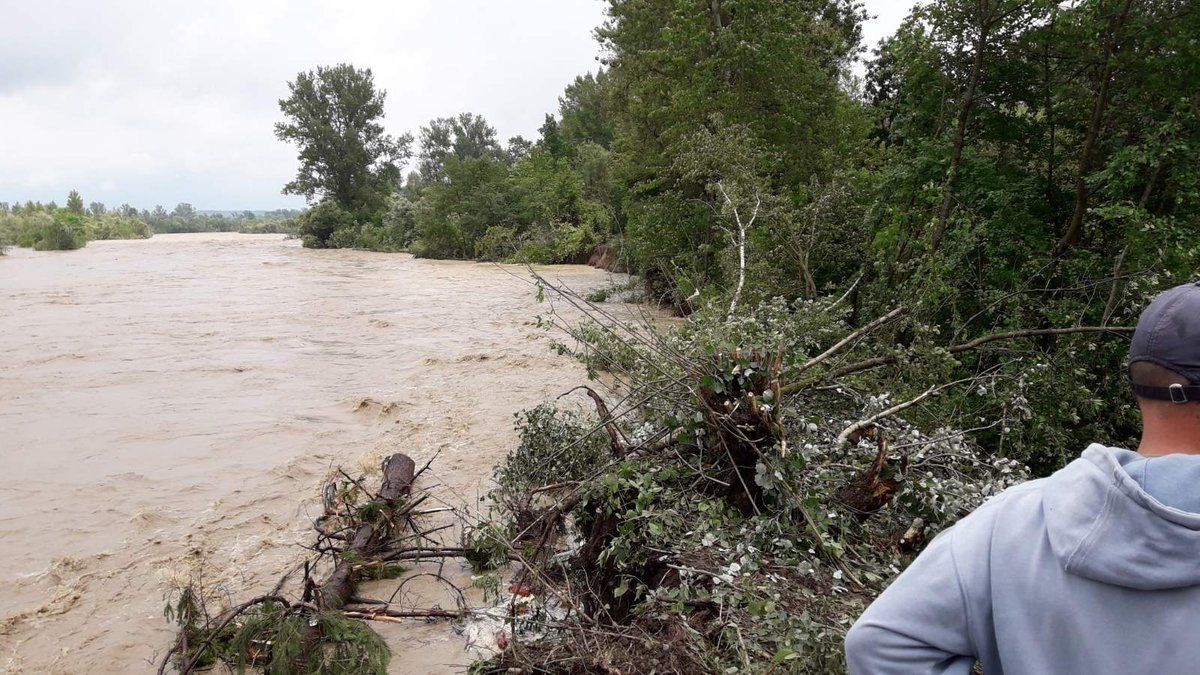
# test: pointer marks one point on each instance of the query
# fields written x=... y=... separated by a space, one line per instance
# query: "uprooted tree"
x=362 y=533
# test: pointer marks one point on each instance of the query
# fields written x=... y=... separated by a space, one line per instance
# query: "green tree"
x=75 y=202
x=517 y=148
x=1058 y=153
x=465 y=137
x=766 y=66
x=584 y=111
x=334 y=114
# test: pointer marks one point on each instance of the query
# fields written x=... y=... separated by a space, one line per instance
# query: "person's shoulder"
x=1019 y=505
x=1024 y=494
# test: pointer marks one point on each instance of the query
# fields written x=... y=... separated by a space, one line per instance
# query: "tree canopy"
x=334 y=114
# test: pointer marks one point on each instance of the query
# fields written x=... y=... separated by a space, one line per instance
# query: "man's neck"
x=1168 y=443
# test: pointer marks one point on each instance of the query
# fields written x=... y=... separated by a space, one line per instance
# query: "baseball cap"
x=1168 y=334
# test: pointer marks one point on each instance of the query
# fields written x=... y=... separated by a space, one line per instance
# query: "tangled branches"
x=359 y=534
x=738 y=491
x=737 y=497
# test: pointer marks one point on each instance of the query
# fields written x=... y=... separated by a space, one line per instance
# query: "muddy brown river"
x=172 y=405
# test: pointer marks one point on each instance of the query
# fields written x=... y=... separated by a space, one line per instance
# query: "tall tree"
x=986 y=27
x=771 y=68
x=584 y=110
x=334 y=114
x=465 y=136
x=1112 y=38
x=75 y=202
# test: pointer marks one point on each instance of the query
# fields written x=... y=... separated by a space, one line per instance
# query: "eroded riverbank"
x=177 y=400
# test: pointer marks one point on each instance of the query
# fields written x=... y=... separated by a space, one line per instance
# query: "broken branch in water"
x=394 y=615
x=364 y=532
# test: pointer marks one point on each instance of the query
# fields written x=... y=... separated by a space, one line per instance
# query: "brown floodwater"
x=173 y=405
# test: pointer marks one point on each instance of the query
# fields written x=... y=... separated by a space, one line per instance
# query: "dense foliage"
x=964 y=236
x=472 y=196
x=727 y=527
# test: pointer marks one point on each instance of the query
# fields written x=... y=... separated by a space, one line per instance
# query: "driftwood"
x=371 y=538
x=361 y=530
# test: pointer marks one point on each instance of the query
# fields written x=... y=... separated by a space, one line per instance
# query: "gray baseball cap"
x=1168 y=334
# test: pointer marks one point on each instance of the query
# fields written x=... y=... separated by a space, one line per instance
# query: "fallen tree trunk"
x=371 y=538
x=362 y=529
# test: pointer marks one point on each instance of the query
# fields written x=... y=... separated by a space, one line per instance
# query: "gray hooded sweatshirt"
x=1095 y=569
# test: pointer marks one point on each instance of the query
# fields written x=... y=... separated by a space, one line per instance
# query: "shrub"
x=555 y=446
x=442 y=238
x=318 y=224
x=112 y=226
x=497 y=243
x=63 y=231
x=399 y=223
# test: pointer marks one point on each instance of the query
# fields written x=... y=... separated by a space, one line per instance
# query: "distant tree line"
x=51 y=227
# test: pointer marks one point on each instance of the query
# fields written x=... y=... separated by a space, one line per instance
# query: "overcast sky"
x=162 y=101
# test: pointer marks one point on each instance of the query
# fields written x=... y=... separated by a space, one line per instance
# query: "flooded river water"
x=175 y=403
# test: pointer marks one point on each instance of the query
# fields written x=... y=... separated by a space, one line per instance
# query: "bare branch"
x=841 y=344
x=844 y=437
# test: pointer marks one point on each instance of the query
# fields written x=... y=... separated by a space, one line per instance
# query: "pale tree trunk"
x=1075 y=224
x=739 y=240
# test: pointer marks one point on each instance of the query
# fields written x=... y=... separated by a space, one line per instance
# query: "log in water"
x=175 y=402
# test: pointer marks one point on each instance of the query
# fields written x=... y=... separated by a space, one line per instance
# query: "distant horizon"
x=112 y=206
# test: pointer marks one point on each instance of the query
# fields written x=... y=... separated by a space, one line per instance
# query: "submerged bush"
x=115 y=227
x=62 y=231
x=318 y=225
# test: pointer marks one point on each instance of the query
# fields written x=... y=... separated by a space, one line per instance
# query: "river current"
x=173 y=405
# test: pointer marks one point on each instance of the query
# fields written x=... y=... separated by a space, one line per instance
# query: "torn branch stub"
x=616 y=439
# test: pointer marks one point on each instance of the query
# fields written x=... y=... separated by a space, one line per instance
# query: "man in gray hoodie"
x=1095 y=569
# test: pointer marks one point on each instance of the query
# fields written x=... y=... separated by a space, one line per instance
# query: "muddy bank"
x=178 y=400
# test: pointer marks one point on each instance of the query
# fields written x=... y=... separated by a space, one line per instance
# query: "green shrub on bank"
x=497 y=243
x=112 y=226
x=62 y=231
